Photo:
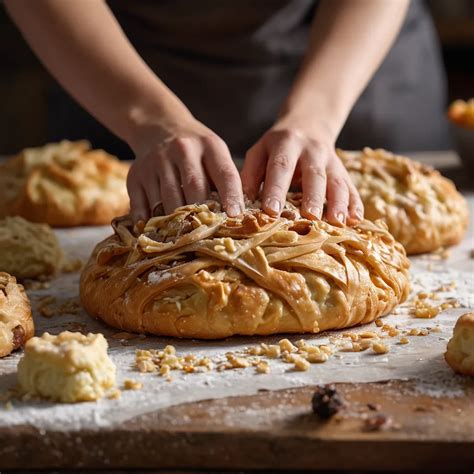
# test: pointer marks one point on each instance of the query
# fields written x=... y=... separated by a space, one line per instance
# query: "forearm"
x=348 y=41
x=83 y=46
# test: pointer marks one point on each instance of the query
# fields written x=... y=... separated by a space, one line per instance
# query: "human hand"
x=176 y=163
x=288 y=155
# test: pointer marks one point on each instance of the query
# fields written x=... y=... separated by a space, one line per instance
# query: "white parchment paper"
x=422 y=359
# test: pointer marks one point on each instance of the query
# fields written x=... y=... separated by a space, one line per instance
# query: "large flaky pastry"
x=460 y=351
x=28 y=250
x=69 y=367
x=198 y=273
x=64 y=184
x=16 y=323
x=422 y=209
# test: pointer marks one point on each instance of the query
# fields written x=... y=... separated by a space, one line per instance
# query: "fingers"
x=337 y=196
x=224 y=175
x=192 y=173
x=254 y=170
x=356 y=207
x=139 y=209
x=170 y=185
x=283 y=156
x=313 y=186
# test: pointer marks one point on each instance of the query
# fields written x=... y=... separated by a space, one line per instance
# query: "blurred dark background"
x=25 y=85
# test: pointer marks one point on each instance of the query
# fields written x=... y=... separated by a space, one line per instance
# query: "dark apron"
x=233 y=63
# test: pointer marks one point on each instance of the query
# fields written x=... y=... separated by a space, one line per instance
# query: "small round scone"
x=422 y=209
x=198 y=273
x=70 y=367
x=460 y=351
x=28 y=250
x=64 y=184
x=16 y=322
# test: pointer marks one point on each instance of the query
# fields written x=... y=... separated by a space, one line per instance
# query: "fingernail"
x=273 y=205
x=359 y=214
x=341 y=217
x=316 y=212
x=233 y=210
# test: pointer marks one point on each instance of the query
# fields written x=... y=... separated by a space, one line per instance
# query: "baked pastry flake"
x=28 y=250
x=68 y=367
x=197 y=273
x=64 y=184
x=460 y=351
x=16 y=322
x=422 y=209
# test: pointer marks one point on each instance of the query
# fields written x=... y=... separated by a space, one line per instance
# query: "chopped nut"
x=170 y=350
x=378 y=422
x=326 y=349
x=164 y=370
x=393 y=332
x=379 y=323
x=300 y=363
x=368 y=334
x=263 y=367
x=146 y=365
x=237 y=362
x=426 y=312
x=219 y=248
x=129 y=384
x=114 y=394
x=380 y=348
x=229 y=244
x=317 y=357
x=286 y=345
x=404 y=340
x=414 y=332
x=273 y=351
x=255 y=351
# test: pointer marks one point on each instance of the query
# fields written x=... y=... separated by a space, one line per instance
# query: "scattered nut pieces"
x=380 y=348
x=263 y=367
x=404 y=340
x=129 y=384
x=378 y=422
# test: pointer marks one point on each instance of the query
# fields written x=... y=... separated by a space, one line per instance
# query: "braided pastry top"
x=422 y=209
x=199 y=273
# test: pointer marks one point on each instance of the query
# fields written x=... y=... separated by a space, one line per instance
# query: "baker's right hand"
x=177 y=163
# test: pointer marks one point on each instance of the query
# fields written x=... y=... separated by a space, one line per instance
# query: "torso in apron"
x=233 y=62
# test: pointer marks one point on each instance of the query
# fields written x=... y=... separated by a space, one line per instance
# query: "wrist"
x=312 y=124
x=157 y=119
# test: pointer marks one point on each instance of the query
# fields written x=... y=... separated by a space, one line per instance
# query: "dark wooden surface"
x=271 y=431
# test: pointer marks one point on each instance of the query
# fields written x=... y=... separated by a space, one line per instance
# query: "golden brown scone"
x=197 y=273
x=422 y=209
x=64 y=184
x=460 y=352
x=28 y=250
x=16 y=323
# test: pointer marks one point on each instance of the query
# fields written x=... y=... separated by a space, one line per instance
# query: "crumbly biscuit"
x=460 y=351
x=70 y=367
x=28 y=250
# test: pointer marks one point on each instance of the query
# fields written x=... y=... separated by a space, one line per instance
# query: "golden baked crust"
x=422 y=209
x=460 y=351
x=197 y=273
x=16 y=322
x=28 y=250
x=64 y=184
x=69 y=367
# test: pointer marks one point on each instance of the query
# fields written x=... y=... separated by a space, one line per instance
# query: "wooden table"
x=270 y=430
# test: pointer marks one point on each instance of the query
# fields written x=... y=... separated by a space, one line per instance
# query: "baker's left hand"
x=288 y=155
